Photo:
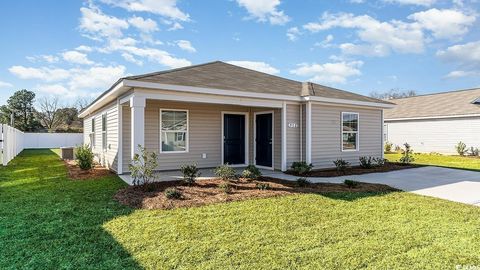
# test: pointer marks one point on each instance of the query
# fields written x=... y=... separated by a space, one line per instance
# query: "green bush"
x=351 y=183
x=84 y=157
x=262 y=186
x=173 y=193
x=225 y=172
x=473 y=151
x=461 y=148
x=407 y=155
x=366 y=162
x=251 y=172
x=303 y=182
x=388 y=147
x=341 y=165
x=379 y=162
x=226 y=187
x=301 y=167
x=143 y=166
x=190 y=173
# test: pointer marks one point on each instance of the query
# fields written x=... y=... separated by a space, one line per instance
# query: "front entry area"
x=234 y=138
x=264 y=139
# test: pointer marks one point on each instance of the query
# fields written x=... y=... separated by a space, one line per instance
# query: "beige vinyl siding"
x=293 y=134
x=435 y=135
x=204 y=134
x=326 y=135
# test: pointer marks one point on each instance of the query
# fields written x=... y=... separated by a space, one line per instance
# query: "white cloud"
x=265 y=10
x=426 y=3
x=258 y=66
x=357 y=1
x=175 y=26
x=128 y=57
x=444 y=23
x=394 y=35
x=53 y=89
x=366 y=50
x=76 y=58
x=95 y=77
x=44 y=57
x=326 y=43
x=84 y=48
x=96 y=24
x=186 y=46
x=144 y=25
x=467 y=54
x=293 y=33
x=165 y=8
x=44 y=73
x=329 y=73
x=5 y=84
x=461 y=73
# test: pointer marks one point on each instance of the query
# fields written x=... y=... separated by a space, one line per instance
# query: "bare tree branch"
x=49 y=114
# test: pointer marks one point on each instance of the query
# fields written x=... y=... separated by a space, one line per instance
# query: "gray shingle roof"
x=432 y=105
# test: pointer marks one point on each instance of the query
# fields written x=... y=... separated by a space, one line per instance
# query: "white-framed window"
x=173 y=131
x=350 y=127
x=92 y=134
x=104 y=132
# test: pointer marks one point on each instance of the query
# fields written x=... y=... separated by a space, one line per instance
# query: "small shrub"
x=173 y=193
x=461 y=148
x=190 y=173
x=262 y=186
x=341 y=165
x=398 y=149
x=351 y=183
x=143 y=166
x=225 y=172
x=226 y=187
x=366 y=162
x=84 y=157
x=251 y=172
x=303 y=182
x=388 y=147
x=380 y=162
x=407 y=155
x=473 y=151
x=301 y=167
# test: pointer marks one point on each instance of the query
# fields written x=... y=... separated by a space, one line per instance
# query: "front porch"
x=207 y=132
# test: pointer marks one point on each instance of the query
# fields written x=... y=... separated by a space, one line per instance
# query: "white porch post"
x=308 y=131
x=284 y=136
x=137 y=105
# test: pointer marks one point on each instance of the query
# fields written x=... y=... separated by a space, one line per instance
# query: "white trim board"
x=255 y=139
x=246 y=138
x=432 y=117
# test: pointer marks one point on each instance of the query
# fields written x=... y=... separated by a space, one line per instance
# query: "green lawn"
x=442 y=160
x=50 y=222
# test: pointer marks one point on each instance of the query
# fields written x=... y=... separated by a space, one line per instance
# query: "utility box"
x=67 y=152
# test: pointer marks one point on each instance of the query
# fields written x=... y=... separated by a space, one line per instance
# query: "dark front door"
x=234 y=139
x=263 y=147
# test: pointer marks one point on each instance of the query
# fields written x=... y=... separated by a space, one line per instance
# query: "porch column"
x=308 y=133
x=284 y=136
x=137 y=105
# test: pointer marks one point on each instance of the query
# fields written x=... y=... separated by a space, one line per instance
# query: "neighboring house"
x=218 y=113
x=435 y=122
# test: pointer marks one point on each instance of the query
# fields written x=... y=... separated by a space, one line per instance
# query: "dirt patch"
x=388 y=167
x=75 y=173
x=206 y=192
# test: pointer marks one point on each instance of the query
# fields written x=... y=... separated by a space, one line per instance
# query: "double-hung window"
x=350 y=127
x=173 y=131
x=92 y=134
x=104 y=132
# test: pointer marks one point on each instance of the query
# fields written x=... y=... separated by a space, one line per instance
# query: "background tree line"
x=48 y=116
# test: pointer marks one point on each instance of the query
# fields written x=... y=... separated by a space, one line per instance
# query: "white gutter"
x=432 y=117
x=349 y=102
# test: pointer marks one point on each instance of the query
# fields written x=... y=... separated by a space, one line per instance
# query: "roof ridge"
x=440 y=93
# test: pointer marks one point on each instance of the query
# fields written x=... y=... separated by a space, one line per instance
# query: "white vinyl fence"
x=14 y=141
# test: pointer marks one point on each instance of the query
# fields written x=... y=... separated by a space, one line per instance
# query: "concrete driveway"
x=449 y=184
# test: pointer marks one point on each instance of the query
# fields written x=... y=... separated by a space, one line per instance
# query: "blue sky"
x=77 y=49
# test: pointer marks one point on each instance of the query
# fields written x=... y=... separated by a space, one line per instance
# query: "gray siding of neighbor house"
x=204 y=133
x=326 y=135
x=106 y=157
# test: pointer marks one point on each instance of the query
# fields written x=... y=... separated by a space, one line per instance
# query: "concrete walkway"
x=449 y=184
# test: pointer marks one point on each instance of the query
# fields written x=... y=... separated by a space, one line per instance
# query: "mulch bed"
x=206 y=192
x=389 y=166
x=75 y=173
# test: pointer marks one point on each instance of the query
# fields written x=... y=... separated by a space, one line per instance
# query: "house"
x=217 y=113
x=435 y=122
